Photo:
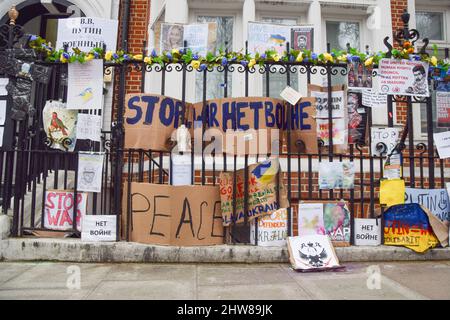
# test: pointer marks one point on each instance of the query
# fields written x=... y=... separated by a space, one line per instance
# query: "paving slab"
x=146 y=272
x=144 y=290
x=43 y=294
x=10 y=270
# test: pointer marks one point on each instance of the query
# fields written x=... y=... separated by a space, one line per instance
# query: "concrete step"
x=74 y=250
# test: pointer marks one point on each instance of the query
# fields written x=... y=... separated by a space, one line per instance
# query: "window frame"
x=335 y=18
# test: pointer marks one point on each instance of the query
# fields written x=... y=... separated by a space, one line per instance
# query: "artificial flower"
x=115 y=56
x=434 y=60
x=224 y=61
x=195 y=64
x=108 y=55
x=175 y=51
x=137 y=57
x=299 y=57
x=89 y=57
x=148 y=60
x=369 y=62
x=276 y=58
x=252 y=63
x=342 y=58
x=328 y=57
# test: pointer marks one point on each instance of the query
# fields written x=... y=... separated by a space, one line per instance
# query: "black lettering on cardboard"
x=159 y=215
x=186 y=206
x=217 y=217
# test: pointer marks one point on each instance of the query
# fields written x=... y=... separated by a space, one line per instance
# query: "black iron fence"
x=30 y=167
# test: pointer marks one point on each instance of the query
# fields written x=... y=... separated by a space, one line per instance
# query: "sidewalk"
x=74 y=250
x=397 y=280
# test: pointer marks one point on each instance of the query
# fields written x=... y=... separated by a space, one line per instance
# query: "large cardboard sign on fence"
x=59 y=206
x=176 y=216
x=254 y=120
x=263 y=185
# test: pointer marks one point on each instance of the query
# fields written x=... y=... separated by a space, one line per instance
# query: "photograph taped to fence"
x=158 y=116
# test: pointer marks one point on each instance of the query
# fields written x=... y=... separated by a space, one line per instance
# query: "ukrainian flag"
x=279 y=39
x=266 y=171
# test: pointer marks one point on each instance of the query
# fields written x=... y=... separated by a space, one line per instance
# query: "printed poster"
x=385 y=137
x=443 y=109
x=302 y=38
x=357 y=119
x=85 y=85
x=90 y=170
x=89 y=127
x=181 y=170
x=359 y=76
x=310 y=219
x=336 y=218
x=312 y=252
x=403 y=77
x=60 y=125
x=2 y=112
x=265 y=36
x=272 y=229
x=87 y=33
x=435 y=200
x=59 y=206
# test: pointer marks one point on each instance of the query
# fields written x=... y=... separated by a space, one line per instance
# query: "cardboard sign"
x=435 y=200
x=442 y=142
x=338 y=103
x=85 y=85
x=175 y=216
x=272 y=229
x=403 y=77
x=87 y=33
x=367 y=232
x=443 y=109
x=158 y=116
x=263 y=185
x=414 y=227
x=314 y=252
x=59 y=206
x=99 y=228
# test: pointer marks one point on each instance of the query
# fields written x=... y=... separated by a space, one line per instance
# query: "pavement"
x=359 y=280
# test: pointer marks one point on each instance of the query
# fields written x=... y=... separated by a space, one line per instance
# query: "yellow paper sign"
x=392 y=192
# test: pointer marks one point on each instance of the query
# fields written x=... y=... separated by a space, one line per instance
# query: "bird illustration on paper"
x=266 y=171
x=310 y=224
x=87 y=94
x=56 y=124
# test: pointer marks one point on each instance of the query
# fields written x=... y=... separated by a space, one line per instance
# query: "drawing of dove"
x=266 y=171
x=56 y=124
x=87 y=94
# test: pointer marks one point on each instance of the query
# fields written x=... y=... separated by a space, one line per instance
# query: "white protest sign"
x=196 y=36
x=338 y=103
x=373 y=99
x=89 y=127
x=59 y=205
x=3 y=83
x=87 y=33
x=99 y=228
x=264 y=36
x=290 y=95
x=442 y=142
x=2 y=112
x=435 y=200
x=181 y=170
x=403 y=77
x=85 y=85
x=388 y=136
x=90 y=169
x=367 y=232
x=272 y=229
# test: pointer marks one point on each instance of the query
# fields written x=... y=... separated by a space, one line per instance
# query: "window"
x=341 y=33
x=215 y=80
x=430 y=25
x=278 y=81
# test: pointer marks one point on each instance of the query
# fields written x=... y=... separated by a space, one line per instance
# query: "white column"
x=379 y=24
x=412 y=12
x=314 y=17
x=255 y=80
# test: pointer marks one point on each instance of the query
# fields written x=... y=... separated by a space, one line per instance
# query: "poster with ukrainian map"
x=265 y=36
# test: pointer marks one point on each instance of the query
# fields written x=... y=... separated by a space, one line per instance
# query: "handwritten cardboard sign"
x=99 y=228
x=435 y=200
x=59 y=206
x=158 y=116
x=367 y=232
x=173 y=215
x=272 y=229
x=263 y=185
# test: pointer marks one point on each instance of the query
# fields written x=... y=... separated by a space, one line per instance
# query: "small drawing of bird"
x=310 y=224
x=57 y=125
x=266 y=171
x=87 y=94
